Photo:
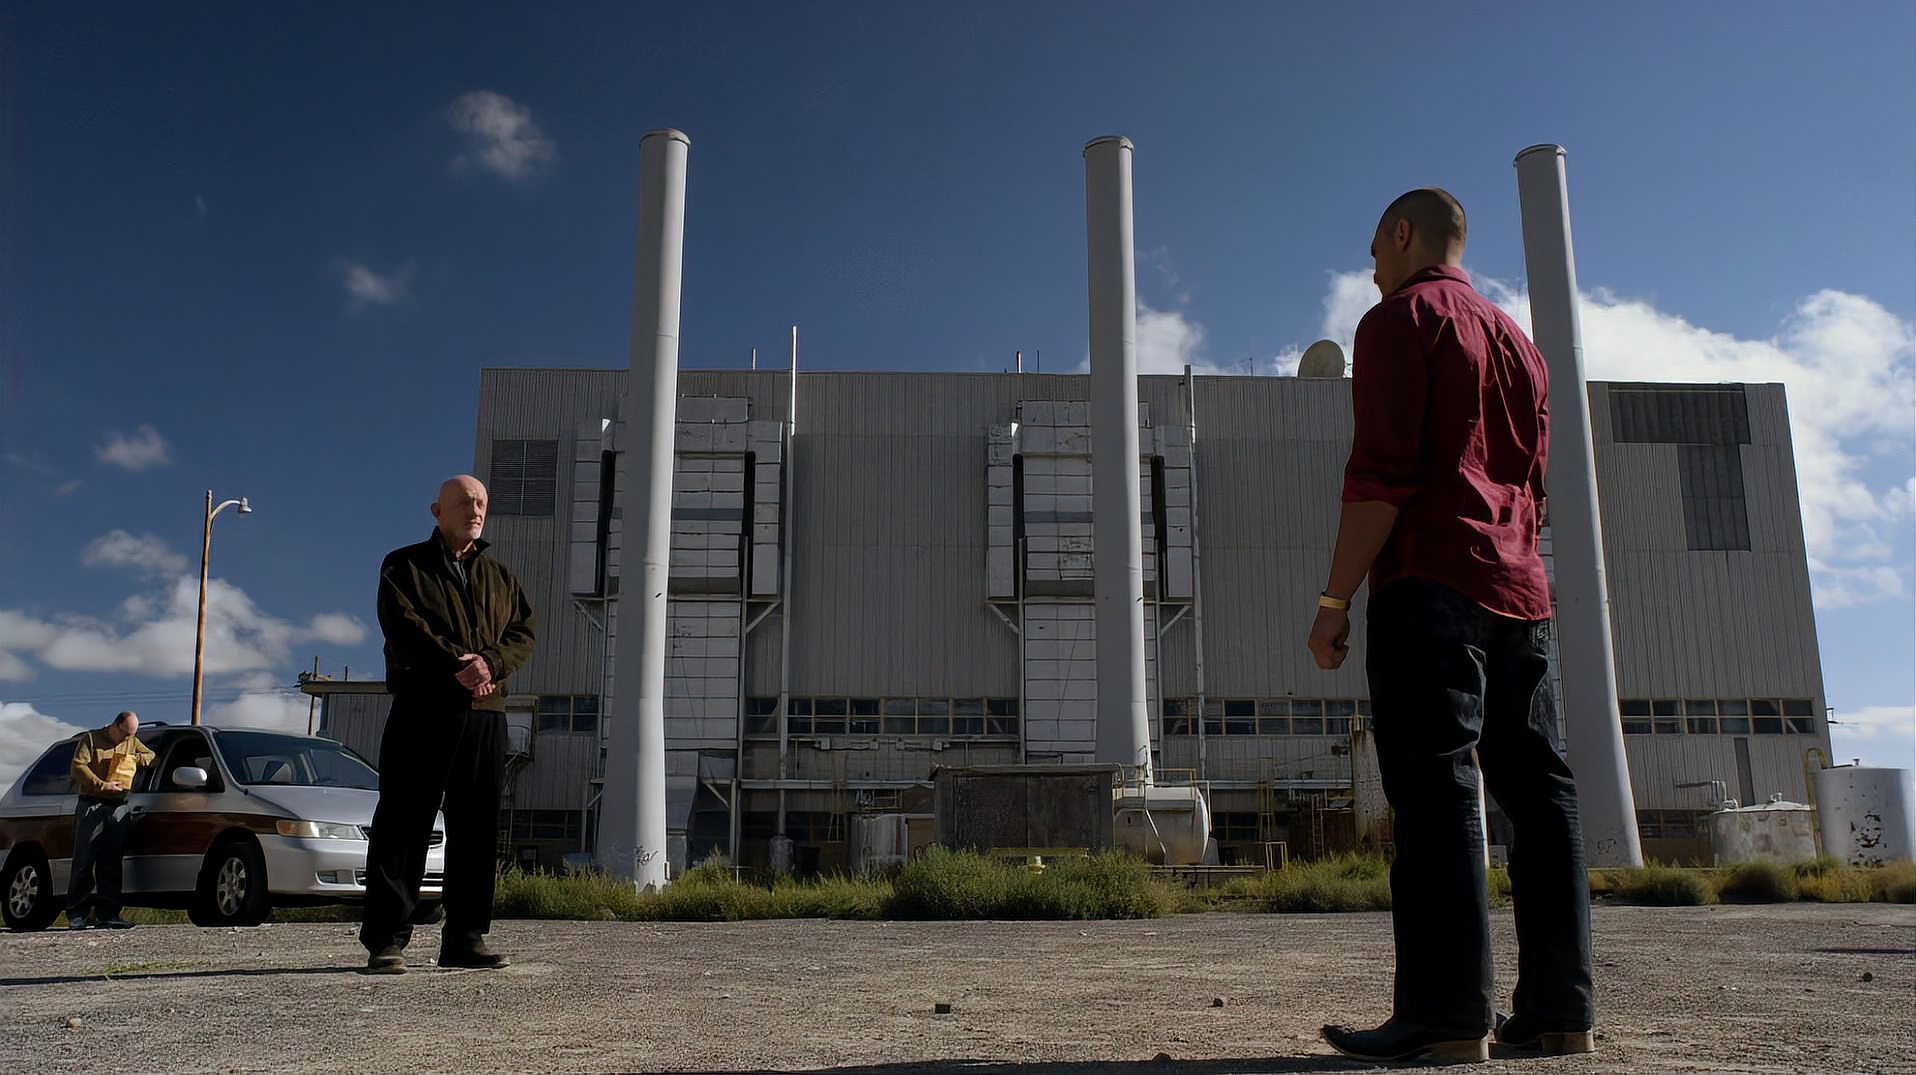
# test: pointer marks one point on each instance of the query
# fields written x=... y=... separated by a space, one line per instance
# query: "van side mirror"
x=189 y=776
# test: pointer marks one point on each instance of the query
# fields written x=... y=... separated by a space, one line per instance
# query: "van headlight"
x=320 y=830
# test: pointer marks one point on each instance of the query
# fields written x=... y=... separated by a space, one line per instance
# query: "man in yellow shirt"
x=104 y=764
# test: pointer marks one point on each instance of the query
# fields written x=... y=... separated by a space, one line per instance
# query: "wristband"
x=1325 y=600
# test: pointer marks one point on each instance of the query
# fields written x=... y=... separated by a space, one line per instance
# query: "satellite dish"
x=1322 y=359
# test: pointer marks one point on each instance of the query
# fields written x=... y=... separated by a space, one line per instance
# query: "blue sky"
x=267 y=248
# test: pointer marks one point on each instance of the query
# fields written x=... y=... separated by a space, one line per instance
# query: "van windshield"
x=269 y=758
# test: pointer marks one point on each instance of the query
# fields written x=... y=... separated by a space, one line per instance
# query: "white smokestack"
x=1124 y=734
x=632 y=809
x=1605 y=804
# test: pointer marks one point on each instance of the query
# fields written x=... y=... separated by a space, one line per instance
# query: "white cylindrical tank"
x=878 y=841
x=1166 y=825
x=1777 y=831
x=1866 y=813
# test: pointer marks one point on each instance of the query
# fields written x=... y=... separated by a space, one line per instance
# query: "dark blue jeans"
x=1453 y=685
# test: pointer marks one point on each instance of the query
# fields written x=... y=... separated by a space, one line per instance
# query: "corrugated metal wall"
x=890 y=566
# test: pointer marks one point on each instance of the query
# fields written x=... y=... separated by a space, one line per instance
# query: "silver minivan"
x=228 y=823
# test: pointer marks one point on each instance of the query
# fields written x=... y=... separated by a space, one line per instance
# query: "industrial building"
x=927 y=539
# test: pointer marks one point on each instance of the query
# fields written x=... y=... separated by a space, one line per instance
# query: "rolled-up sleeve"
x=1388 y=388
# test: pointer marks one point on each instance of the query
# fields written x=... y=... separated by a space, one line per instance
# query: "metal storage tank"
x=1165 y=825
x=1777 y=831
x=878 y=841
x=1866 y=813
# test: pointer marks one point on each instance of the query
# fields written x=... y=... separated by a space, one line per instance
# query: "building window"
x=1716 y=516
x=524 y=479
x=950 y=718
x=1267 y=716
x=1709 y=427
x=761 y=716
x=1234 y=827
x=545 y=825
x=1717 y=716
x=1670 y=824
x=1669 y=414
x=568 y=713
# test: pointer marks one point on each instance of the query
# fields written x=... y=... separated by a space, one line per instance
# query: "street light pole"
x=206 y=548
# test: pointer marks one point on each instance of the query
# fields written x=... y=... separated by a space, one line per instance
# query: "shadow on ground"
x=138 y=975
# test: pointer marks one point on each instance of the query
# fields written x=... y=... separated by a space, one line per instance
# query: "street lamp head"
x=244 y=507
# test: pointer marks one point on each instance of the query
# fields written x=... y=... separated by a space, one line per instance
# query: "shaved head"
x=1436 y=220
x=1420 y=229
x=460 y=511
x=459 y=485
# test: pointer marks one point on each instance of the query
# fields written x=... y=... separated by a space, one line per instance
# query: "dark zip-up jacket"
x=430 y=617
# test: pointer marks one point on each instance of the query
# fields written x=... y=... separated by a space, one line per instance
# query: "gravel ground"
x=1759 y=989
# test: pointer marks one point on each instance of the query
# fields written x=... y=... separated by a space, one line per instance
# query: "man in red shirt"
x=1443 y=503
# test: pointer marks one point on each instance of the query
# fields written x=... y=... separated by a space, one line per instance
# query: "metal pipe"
x=1197 y=564
x=1157 y=662
x=733 y=821
x=1124 y=732
x=1024 y=726
x=632 y=823
x=787 y=516
x=1605 y=804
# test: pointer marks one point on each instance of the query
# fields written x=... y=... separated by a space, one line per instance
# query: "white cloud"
x=13 y=669
x=1847 y=363
x=1878 y=734
x=1167 y=341
x=1842 y=587
x=24 y=733
x=153 y=635
x=336 y=628
x=68 y=488
x=278 y=711
x=502 y=138
x=19 y=632
x=144 y=450
x=33 y=464
x=368 y=288
x=199 y=206
x=146 y=553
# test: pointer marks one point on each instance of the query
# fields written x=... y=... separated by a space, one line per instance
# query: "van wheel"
x=27 y=899
x=232 y=889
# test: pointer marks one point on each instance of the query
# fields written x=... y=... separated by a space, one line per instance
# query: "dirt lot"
x=1794 y=988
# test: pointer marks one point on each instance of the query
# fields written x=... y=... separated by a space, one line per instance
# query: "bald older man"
x=457 y=625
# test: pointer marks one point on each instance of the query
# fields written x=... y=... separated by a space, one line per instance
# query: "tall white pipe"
x=1124 y=729
x=632 y=812
x=1605 y=804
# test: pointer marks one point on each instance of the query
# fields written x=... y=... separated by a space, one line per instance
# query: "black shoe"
x=1397 y=1042
x=387 y=960
x=80 y=923
x=477 y=957
x=112 y=922
x=1519 y=1033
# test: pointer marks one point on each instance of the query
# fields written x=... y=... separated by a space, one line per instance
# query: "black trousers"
x=434 y=754
x=1448 y=679
x=99 y=844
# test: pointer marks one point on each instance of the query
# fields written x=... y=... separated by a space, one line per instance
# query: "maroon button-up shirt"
x=1453 y=428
